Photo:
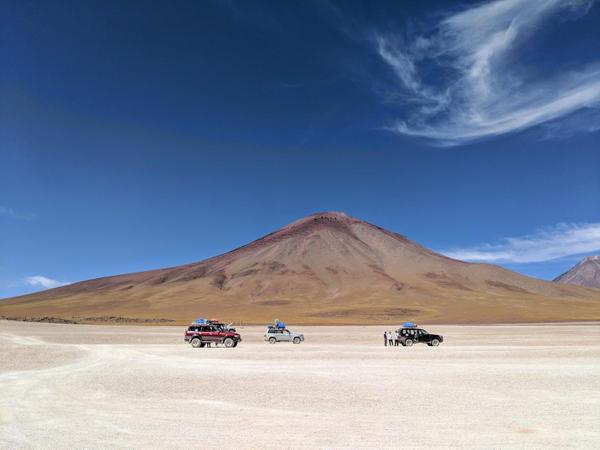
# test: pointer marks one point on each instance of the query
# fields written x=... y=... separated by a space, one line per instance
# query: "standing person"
x=385 y=339
x=396 y=338
x=390 y=338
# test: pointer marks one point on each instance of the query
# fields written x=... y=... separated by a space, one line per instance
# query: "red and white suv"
x=199 y=335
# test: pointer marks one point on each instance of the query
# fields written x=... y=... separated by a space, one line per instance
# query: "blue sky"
x=138 y=135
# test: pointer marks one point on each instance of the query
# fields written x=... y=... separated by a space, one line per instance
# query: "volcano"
x=585 y=273
x=327 y=268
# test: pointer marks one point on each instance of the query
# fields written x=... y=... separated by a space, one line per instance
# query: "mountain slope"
x=325 y=268
x=585 y=273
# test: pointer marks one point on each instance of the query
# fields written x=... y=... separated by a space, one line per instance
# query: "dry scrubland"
x=116 y=386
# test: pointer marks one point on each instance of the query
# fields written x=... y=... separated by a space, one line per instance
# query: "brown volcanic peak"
x=585 y=273
x=325 y=268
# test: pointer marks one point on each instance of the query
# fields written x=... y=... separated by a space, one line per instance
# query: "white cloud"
x=4 y=211
x=9 y=212
x=556 y=242
x=43 y=282
x=484 y=92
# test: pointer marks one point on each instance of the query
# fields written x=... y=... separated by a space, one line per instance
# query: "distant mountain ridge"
x=327 y=268
x=585 y=273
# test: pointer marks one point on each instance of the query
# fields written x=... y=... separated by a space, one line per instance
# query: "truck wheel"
x=435 y=342
x=228 y=342
x=197 y=343
x=296 y=340
x=408 y=343
x=272 y=340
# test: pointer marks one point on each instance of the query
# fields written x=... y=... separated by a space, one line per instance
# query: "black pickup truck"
x=414 y=335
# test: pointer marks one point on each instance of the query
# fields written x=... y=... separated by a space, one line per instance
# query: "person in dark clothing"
x=385 y=338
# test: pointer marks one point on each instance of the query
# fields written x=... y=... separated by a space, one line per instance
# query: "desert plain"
x=488 y=386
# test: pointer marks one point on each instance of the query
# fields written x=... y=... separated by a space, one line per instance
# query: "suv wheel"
x=196 y=343
x=296 y=340
x=435 y=342
x=408 y=343
x=228 y=342
x=272 y=340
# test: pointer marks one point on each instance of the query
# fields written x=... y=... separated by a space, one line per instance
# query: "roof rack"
x=203 y=321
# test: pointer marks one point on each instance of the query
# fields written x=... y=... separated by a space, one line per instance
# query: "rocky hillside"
x=585 y=273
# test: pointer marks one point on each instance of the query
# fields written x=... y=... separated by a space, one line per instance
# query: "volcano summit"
x=325 y=268
x=585 y=273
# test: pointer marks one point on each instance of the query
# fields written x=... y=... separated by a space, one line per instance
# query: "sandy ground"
x=66 y=386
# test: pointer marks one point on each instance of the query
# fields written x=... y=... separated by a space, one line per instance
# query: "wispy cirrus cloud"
x=484 y=90
x=40 y=281
x=11 y=213
x=547 y=244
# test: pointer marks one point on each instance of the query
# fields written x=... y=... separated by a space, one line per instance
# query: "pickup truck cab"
x=199 y=335
x=414 y=335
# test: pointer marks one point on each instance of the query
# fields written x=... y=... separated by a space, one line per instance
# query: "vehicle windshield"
x=423 y=332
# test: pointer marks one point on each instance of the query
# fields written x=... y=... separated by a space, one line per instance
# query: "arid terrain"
x=585 y=273
x=529 y=386
x=327 y=268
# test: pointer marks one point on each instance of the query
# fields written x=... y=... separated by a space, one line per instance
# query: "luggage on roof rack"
x=200 y=320
x=409 y=325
